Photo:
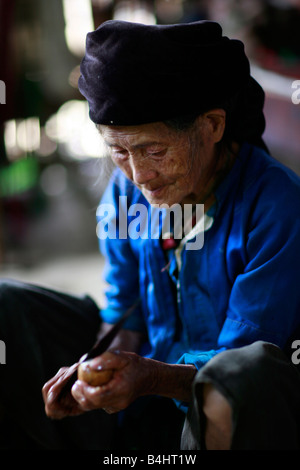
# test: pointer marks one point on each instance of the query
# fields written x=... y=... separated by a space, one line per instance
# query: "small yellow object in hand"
x=93 y=377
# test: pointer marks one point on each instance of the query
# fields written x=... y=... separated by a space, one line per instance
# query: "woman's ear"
x=216 y=121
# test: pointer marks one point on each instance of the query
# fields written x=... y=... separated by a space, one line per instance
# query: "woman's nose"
x=142 y=174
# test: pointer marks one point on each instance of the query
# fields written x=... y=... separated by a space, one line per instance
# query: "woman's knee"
x=216 y=407
x=218 y=419
x=233 y=387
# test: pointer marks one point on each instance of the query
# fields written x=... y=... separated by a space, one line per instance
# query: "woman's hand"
x=130 y=379
x=57 y=406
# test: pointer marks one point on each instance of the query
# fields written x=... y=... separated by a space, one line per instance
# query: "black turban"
x=134 y=74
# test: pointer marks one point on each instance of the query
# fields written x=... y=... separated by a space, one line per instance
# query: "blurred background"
x=52 y=168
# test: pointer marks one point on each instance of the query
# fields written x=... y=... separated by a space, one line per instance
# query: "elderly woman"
x=183 y=121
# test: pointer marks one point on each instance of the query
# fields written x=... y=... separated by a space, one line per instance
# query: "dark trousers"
x=44 y=330
x=263 y=388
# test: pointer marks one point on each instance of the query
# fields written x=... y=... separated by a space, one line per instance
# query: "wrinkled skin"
x=128 y=382
x=84 y=397
x=67 y=406
x=168 y=166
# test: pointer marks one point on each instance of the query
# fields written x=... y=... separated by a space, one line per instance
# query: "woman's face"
x=166 y=165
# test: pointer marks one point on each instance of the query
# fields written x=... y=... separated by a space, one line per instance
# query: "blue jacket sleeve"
x=121 y=266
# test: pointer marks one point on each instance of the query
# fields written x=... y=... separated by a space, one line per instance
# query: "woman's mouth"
x=155 y=192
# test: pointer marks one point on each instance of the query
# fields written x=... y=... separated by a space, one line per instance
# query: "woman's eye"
x=156 y=153
x=119 y=153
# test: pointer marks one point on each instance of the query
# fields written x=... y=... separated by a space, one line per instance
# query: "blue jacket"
x=242 y=286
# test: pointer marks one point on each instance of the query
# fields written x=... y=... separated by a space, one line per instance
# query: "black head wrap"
x=134 y=74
